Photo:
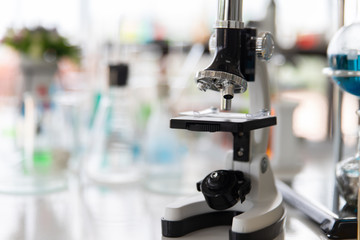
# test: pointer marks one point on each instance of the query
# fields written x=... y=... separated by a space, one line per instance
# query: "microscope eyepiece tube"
x=229 y=14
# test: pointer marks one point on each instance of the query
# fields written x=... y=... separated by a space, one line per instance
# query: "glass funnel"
x=344 y=61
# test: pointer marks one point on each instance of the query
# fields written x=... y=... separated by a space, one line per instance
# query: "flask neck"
x=357 y=11
x=351 y=12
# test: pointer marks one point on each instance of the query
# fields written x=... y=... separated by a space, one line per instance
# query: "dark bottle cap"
x=118 y=74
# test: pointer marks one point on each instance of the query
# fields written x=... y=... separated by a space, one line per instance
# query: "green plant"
x=41 y=44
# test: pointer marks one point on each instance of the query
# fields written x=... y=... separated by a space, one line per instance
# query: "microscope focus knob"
x=265 y=46
x=222 y=189
x=212 y=43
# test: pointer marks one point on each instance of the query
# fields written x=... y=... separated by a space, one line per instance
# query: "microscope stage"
x=211 y=124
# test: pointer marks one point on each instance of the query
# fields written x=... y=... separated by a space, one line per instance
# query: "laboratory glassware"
x=344 y=61
x=112 y=158
x=41 y=140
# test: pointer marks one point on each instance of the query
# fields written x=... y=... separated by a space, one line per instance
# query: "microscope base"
x=261 y=215
x=174 y=229
x=192 y=214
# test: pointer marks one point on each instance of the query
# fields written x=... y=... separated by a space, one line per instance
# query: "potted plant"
x=41 y=44
x=40 y=50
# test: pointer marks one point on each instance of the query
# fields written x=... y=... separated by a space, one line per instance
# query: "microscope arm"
x=260 y=100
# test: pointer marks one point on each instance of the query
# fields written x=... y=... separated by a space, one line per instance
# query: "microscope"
x=243 y=194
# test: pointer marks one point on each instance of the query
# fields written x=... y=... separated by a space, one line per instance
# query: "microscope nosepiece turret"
x=225 y=73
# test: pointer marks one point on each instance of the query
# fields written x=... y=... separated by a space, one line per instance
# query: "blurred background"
x=87 y=88
x=124 y=31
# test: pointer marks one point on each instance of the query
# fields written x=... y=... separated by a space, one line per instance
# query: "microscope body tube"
x=233 y=64
x=229 y=14
x=228 y=52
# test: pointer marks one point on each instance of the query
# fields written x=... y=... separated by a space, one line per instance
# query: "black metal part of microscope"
x=235 y=52
x=240 y=129
x=222 y=189
x=233 y=64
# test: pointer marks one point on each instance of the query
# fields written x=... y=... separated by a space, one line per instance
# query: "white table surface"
x=103 y=213
x=95 y=212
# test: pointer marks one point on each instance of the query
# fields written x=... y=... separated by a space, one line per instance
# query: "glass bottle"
x=112 y=146
x=163 y=151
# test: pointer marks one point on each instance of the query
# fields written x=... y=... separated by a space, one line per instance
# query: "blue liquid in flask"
x=343 y=62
